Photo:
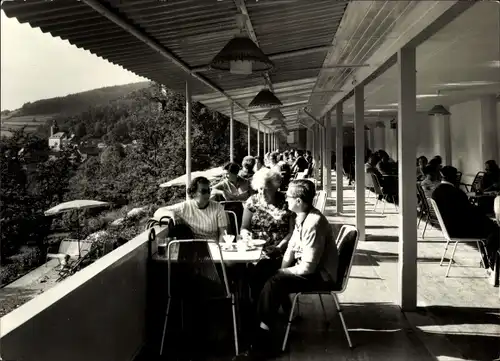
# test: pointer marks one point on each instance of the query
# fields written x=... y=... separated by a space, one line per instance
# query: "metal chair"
x=200 y=279
x=233 y=221
x=379 y=191
x=450 y=239
x=347 y=241
x=426 y=210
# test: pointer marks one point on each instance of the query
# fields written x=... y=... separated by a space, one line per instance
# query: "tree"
x=80 y=130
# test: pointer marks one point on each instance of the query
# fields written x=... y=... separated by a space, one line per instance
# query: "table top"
x=237 y=256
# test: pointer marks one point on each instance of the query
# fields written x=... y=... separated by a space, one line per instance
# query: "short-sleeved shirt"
x=271 y=222
x=204 y=223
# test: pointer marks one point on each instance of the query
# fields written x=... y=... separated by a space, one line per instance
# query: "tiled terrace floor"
x=458 y=317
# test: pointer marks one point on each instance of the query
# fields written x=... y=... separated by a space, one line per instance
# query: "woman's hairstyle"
x=303 y=189
x=232 y=168
x=193 y=186
x=265 y=176
x=260 y=159
x=248 y=162
x=423 y=158
x=273 y=157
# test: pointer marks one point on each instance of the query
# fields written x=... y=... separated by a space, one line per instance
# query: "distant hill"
x=33 y=114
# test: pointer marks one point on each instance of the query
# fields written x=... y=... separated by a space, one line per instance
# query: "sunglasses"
x=204 y=191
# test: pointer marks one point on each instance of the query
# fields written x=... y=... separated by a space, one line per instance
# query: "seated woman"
x=233 y=187
x=206 y=218
x=266 y=216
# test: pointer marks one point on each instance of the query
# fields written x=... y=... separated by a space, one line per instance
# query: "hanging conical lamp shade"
x=274 y=114
x=438 y=110
x=241 y=55
x=265 y=99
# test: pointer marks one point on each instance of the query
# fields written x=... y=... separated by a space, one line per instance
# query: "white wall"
x=474 y=134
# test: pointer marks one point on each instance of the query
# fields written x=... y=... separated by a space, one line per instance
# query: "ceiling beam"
x=242 y=8
x=313 y=118
x=112 y=15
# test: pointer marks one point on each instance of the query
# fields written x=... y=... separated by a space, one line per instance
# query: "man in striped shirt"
x=206 y=218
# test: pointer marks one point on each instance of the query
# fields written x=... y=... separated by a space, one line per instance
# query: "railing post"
x=406 y=128
x=327 y=177
x=258 y=138
x=359 y=168
x=339 y=167
x=249 y=129
x=188 y=137
x=231 y=134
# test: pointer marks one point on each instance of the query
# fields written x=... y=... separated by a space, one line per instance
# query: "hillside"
x=33 y=114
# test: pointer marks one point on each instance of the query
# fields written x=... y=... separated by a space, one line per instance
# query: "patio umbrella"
x=75 y=205
x=210 y=174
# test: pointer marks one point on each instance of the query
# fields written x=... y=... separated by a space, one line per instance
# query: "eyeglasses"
x=204 y=191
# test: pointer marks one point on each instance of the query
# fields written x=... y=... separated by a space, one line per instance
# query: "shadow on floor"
x=471 y=344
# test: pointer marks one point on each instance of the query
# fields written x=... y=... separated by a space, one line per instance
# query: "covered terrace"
x=334 y=61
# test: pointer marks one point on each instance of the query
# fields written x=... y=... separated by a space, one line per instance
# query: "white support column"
x=441 y=126
x=407 y=265
x=379 y=136
x=249 y=130
x=327 y=165
x=359 y=145
x=265 y=142
x=231 y=134
x=188 y=137
x=258 y=138
x=340 y=158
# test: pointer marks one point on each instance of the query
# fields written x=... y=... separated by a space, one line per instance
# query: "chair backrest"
x=192 y=272
x=435 y=207
x=477 y=180
x=180 y=231
x=422 y=197
x=70 y=247
x=458 y=179
x=347 y=241
x=320 y=201
x=233 y=222
x=376 y=184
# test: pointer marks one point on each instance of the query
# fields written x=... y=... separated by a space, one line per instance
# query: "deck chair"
x=451 y=239
x=87 y=250
x=196 y=278
x=379 y=191
x=347 y=241
x=68 y=248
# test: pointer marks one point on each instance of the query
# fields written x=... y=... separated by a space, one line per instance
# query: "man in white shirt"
x=310 y=263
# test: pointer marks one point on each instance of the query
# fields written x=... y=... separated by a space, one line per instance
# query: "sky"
x=35 y=65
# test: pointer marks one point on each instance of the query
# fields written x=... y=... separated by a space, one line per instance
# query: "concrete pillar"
x=339 y=133
x=407 y=148
x=379 y=136
x=258 y=138
x=327 y=155
x=359 y=146
x=489 y=128
x=440 y=125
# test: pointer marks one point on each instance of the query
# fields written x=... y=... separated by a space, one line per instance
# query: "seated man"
x=310 y=263
x=462 y=219
x=206 y=218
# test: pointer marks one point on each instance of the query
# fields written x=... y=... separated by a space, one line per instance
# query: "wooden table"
x=237 y=256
